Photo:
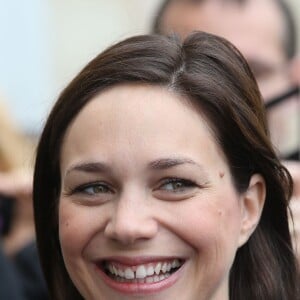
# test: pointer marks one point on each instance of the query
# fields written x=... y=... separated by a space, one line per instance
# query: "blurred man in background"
x=265 y=32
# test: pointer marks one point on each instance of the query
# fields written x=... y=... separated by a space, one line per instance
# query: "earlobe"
x=253 y=200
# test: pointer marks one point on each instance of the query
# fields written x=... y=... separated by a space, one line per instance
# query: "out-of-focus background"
x=45 y=43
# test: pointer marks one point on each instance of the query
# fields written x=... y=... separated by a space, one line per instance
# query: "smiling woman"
x=155 y=179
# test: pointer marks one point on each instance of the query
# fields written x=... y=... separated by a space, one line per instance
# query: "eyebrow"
x=90 y=167
x=166 y=163
x=158 y=164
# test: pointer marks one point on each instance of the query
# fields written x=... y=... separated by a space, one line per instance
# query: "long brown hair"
x=213 y=75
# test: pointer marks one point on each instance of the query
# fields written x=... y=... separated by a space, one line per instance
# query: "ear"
x=294 y=70
x=252 y=203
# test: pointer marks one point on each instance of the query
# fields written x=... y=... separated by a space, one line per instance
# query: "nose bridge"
x=132 y=218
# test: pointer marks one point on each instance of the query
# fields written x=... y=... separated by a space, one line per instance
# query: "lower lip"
x=136 y=288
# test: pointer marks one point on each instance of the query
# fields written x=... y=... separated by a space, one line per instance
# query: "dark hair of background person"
x=289 y=37
x=214 y=77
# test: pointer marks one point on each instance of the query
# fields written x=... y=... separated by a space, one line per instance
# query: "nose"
x=132 y=220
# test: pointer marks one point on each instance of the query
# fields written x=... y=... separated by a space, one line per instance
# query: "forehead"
x=138 y=122
x=134 y=106
x=254 y=27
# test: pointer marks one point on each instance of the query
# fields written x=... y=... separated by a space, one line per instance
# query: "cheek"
x=211 y=225
x=77 y=226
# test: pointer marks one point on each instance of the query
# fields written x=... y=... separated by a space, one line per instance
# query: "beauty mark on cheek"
x=221 y=174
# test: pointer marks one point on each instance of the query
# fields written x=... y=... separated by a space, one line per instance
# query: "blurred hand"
x=16 y=184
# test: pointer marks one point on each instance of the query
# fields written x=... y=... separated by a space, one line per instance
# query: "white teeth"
x=121 y=273
x=149 y=279
x=150 y=271
x=169 y=267
x=111 y=269
x=164 y=268
x=175 y=263
x=144 y=273
x=129 y=274
x=115 y=271
x=140 y=272
x=157 y=268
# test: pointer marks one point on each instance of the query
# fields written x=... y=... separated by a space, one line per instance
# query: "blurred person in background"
x=265 y=33
x=16 y=156
x=20 y=273
x=10 y=287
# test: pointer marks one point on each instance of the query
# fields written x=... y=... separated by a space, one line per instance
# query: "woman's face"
x=147 y=207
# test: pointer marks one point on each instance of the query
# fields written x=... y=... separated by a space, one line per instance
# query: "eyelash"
x=184 y=184
x=83 y=188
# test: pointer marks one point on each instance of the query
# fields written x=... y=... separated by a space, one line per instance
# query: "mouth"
x=142 y=273
x=140 y=276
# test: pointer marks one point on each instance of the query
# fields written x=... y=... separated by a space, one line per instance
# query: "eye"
x=177 y=185
x=176 y=189
x=94 y=189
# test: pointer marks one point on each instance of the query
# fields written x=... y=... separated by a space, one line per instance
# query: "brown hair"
x=213 y=75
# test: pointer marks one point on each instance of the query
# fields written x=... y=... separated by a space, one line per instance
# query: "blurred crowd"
x=20 y=273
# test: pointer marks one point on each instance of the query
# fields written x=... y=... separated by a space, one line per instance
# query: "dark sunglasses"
x=283 y=97
x=295 y=90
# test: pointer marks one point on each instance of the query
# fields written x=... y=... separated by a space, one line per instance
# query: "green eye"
x=94 y=189
x=177 y=185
